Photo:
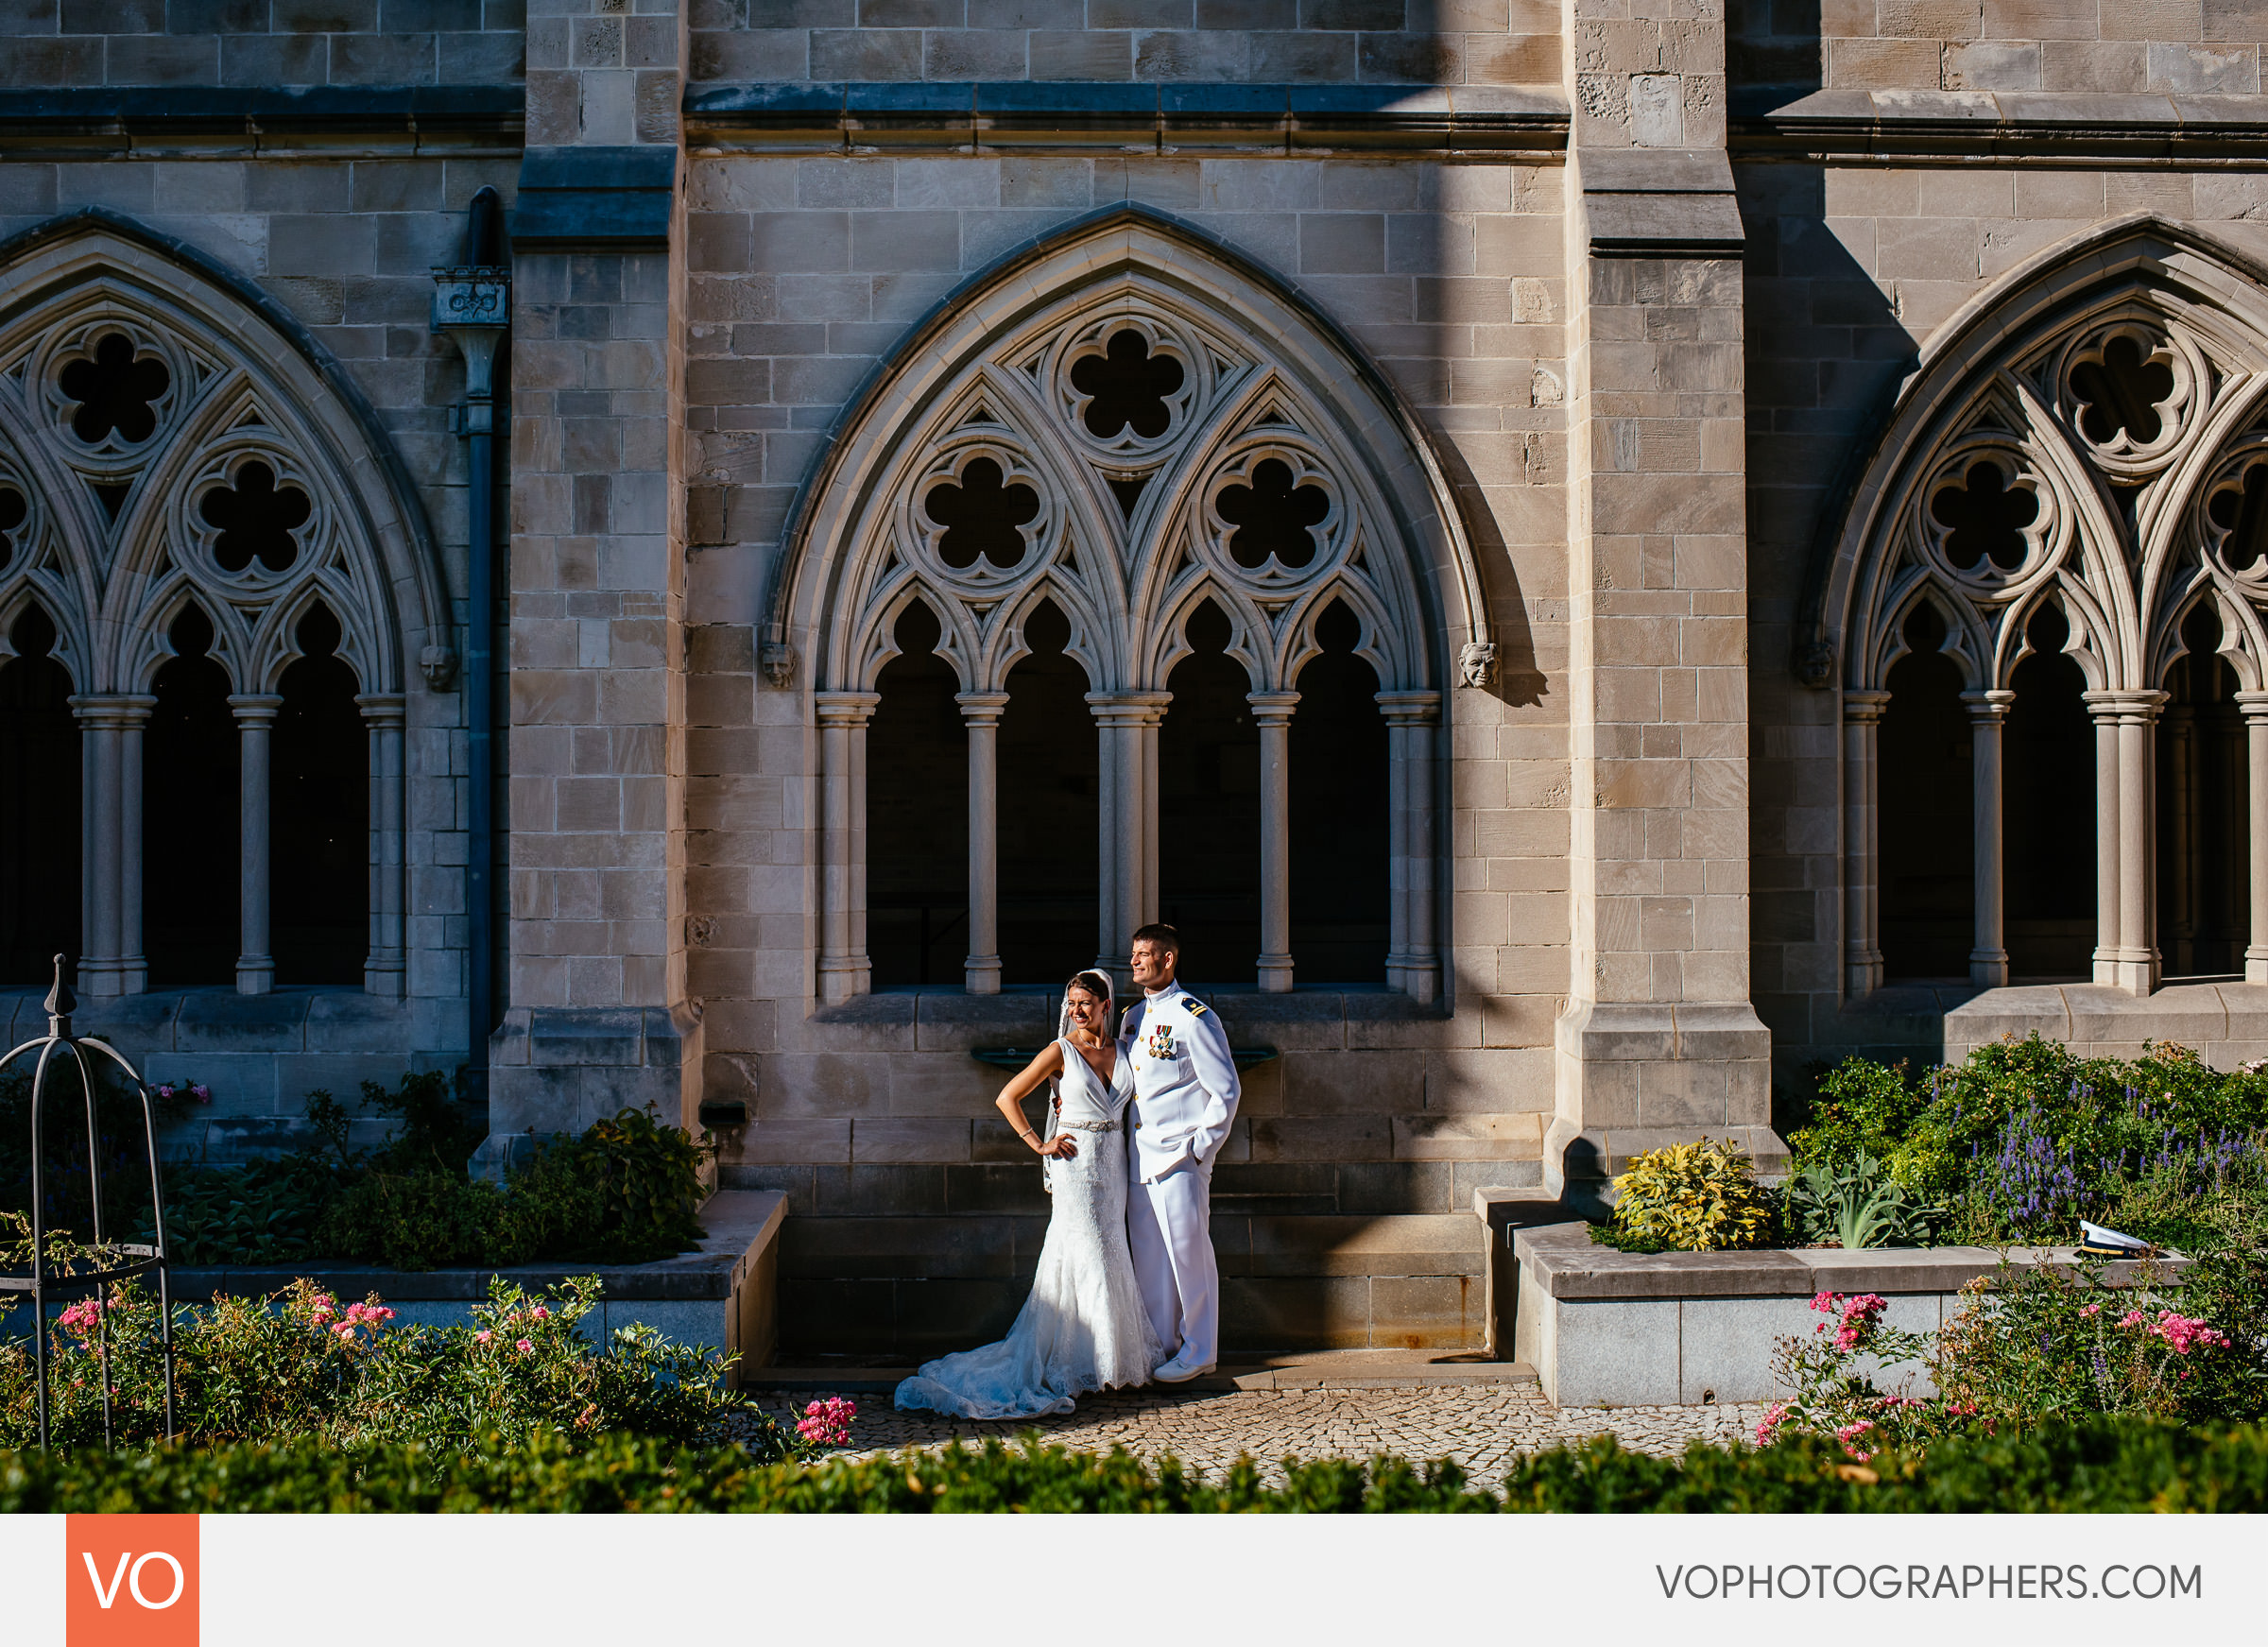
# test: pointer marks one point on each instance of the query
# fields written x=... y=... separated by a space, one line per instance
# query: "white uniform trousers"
x=1169 y=1226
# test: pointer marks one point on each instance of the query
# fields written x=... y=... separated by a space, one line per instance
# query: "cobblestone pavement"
x=1481 y=1427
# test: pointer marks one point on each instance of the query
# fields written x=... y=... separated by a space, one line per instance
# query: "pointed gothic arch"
x=187 y=442
x=1186 y=430
x=2088 y=434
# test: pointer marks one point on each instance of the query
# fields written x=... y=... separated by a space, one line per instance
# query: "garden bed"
x=1603 y=1328
x=724 y=1294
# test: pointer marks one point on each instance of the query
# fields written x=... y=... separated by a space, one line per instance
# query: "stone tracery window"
x=1125 y=496
x=2066 y=530
x=193 y=558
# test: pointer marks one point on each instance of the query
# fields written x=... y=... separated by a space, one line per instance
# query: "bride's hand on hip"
x=1061 y=1147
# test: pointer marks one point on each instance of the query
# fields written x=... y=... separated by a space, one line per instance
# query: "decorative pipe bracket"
x=472 y=304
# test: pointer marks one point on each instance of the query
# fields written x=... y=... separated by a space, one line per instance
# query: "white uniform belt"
x=1089 y=1125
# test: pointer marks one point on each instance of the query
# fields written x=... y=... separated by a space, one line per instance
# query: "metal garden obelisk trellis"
x=114 y=1260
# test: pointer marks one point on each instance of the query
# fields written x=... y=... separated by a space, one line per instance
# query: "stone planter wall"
x=1608 y=1328
x=725 y=1295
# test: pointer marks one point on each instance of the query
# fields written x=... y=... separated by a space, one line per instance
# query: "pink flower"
x=345 y=1331
x=202 y=1094
x=83 y=1314
x=483 y=1336
x=2132 y=1318
x=525 y=1348
x=1860 y=1314
x=827 y=1423
x=2185 y=1334
x=541 y=1313
x=2092 y=1309
x=164 y=1090
x=1768 y=1426
x=1825 y=1303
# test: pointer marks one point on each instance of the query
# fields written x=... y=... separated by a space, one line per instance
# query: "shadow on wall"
x=1825 y=353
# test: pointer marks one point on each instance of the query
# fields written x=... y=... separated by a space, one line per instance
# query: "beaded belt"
x=1089 y=1126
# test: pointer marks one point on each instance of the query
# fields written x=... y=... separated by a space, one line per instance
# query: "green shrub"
x=2023 y=1138
x=1854 y=1207
x=419 y=1222
x=1691 y=1198
x=2104 y=1466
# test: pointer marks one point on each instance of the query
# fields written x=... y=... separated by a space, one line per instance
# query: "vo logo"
x=131 y=1581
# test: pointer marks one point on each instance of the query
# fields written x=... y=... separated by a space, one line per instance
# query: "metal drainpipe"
x=472 y=304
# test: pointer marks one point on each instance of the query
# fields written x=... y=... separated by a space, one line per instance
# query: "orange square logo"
x=131 y=1581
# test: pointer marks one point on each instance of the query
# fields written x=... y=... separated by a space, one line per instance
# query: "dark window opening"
x=115 y=391
x=14 y=511
x=2048 y=813
x=1049 y=799
x=2242 y=511
x=319 y=816
x=190 y=871
x=1926 y=828
x=256 y=517
x=1340 y=908
x=918 y=814
x=981 y=516
x=2122 y=390
x=1986 y=517
x=1208 y=808
x=39 y=807
x=1129 y=386
x=2203 y=873
x=1272 y=517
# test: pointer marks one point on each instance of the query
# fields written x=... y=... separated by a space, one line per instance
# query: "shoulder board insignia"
x=1191 y=1004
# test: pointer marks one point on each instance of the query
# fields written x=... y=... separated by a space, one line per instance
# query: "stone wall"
x=1476 y=43
x=79 y=44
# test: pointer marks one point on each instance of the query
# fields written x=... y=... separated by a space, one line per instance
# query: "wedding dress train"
x=1084 y=1326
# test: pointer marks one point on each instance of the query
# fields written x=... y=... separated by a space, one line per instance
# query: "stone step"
x=918 y=1286
x=1361 y=1370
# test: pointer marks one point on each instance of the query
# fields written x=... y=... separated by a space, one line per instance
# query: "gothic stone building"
x=1590 y=554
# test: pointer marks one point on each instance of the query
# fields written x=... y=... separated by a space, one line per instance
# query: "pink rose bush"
x=827 y=1423
x=299 y=1364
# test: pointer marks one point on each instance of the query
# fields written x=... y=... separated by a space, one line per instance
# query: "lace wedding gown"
x=1084 y=1326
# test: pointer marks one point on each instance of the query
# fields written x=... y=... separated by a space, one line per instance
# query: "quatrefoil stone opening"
x=115 y=392
x=1273 y=518
x=256 y=517
x=2242 y=511
x=1985 y=519
x=981 y=516
x=2122 y=391
x=1129 y=386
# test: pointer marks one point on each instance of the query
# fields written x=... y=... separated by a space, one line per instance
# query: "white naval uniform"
x=1185 y=1094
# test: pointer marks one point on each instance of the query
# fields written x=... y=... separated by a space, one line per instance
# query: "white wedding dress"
x=1084 y=1326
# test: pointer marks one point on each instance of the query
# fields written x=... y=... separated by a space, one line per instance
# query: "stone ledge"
x=1922 y=121
x=1111 y=112
x=1565 y=1262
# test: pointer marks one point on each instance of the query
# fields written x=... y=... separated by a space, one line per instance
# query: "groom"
x=1185 y=1092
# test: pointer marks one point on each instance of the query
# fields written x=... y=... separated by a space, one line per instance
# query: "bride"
x=1084 y=1326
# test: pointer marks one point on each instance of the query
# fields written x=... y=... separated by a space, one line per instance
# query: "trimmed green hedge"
x=2101 y=1467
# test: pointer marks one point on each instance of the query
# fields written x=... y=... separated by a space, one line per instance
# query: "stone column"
x=111 y=960
x=385 y=970
x=979 y=713
x=1862 y=843
x=1272 y=712
x=600 y=1013
x=1126 y=725
x=2130 y=719
x=1660 y=1041
x=2103 y=705
x=2255 y=706
x=1987 y=721
x=133 y=720
x=844 y=970
x=255 y=721
x=1412 y=956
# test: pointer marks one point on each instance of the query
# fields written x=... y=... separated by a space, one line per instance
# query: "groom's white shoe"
x=1178 y=1371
